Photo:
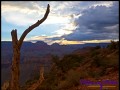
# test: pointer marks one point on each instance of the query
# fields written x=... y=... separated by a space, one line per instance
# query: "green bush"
x=94 y=53
x=97 y=61
x=69 y=62
x=55 y=59
x=96 y=73
x=110 y=60
x=113 y=45
x=98 y=47
x=72 y=79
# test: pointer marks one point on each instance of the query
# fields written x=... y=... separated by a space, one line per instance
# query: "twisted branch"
x=33 y=26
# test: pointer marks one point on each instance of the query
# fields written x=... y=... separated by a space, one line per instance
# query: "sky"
x=69 y=22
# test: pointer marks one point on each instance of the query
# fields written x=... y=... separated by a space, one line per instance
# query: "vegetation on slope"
x=96 y=63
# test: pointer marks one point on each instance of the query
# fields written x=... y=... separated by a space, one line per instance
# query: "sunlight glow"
x=65 y=42
x=98 y=41
x=65 y=19
x=57 y=19
x=68 y=29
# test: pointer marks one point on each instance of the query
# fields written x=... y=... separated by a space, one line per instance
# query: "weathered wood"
x=5 y=86
x=41 y=78
x=37 y=84
x=15 y=72
x=34 y=26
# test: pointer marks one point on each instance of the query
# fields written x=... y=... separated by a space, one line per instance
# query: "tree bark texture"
x=15 y=72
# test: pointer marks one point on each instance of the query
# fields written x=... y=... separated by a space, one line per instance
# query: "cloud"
x=66 y=29
x=62 y=41
x=26 y=13
x=77 y=21
x=98 y=41
x=52 y=39
x=97 y=23
x=96 y=3
x=21 y=13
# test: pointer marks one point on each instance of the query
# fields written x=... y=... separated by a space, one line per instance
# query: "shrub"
x=72 y=79
x=97 y=47
x=113 y=45
x=94 y=53
x=70 y=61
x=55 y=59
x=97 y=61
x=110 y=60
x=96 y=73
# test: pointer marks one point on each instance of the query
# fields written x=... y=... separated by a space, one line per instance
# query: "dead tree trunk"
x=15 y=72
x=37 y=84
x=41 y=78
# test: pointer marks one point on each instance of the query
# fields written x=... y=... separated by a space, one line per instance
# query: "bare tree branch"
x=37 y=84
x=14 y=35
x=15 y=69
x=33 y=26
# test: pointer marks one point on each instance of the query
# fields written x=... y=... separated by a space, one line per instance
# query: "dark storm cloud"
x=98 y=22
